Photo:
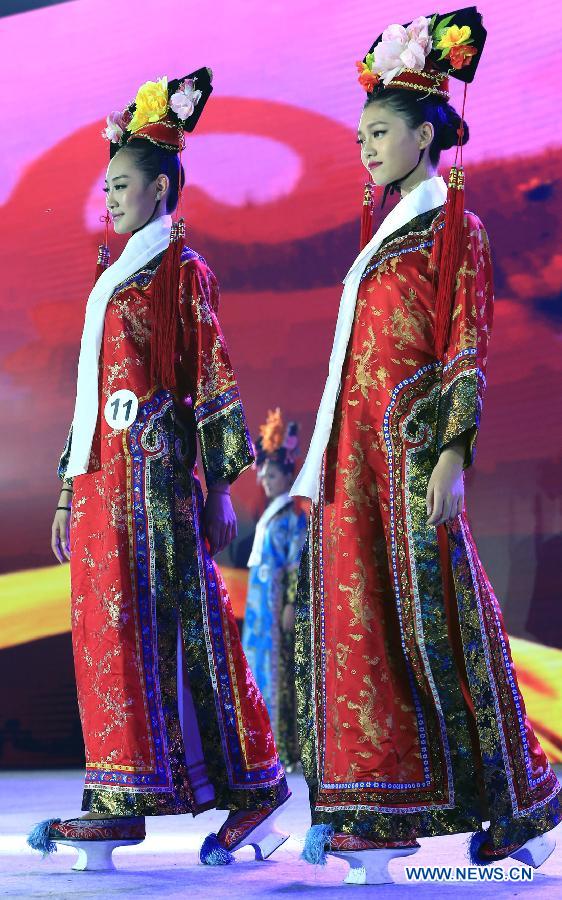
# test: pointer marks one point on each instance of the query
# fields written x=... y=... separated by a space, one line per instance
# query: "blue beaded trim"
x=548 y=773
x=139 y=280
x=143 y=277
x=160 y=779
x=400 y=252
x=469 y=351
x=218 y=404
x=187 y=254
x=239 y=776
x=394 y=552
x=419 y=712
x=418 y=612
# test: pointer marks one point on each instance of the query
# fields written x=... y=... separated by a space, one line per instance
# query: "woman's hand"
x=445 y=491
x=60 y=535
x=288 y=617
x=219 y=519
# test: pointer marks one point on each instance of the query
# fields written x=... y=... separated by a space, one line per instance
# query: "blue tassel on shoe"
x=474 y=845
x=38 y=838
x=212 y=853
x=315 y=843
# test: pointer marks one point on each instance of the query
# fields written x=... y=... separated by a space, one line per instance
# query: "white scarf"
x=428 y=195
x=139 y=250
x=257 y=547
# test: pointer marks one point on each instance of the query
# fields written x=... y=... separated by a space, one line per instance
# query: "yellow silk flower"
x=151 y=103
x=454 y=37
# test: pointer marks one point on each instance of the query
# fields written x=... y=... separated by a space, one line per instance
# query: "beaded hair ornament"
x=421 y=57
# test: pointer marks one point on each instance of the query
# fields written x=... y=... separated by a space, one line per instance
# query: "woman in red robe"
x=173 y=721
x=412 y=723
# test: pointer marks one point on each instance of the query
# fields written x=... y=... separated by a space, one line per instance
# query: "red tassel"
x=367 y=215
x=165 y=311
x=450 y=258
x=103 y=260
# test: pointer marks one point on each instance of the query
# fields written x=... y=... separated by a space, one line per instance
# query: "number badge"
x=121 y=410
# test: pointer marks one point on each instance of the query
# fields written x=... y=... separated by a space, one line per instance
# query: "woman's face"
x=389 y=147
x=130 y=200
x=274 y=481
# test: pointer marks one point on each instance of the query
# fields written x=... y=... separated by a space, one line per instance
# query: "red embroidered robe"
x=411 y=719
x=172 y=718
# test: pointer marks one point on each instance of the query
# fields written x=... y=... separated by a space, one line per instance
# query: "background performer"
x=269 y=622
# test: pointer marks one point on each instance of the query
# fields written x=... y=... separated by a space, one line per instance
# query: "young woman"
x=172 y=719
x=269 y=622
x=411 y=719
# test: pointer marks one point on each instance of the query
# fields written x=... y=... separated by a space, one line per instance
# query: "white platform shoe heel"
x=94 y=839
x=370 y=866
x=535 y=851
x=367 y=860
x=265 y=838
x=96 y=856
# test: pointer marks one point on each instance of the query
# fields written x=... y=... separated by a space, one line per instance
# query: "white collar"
x=428 y=195
x=276 y=505
x=139 y=250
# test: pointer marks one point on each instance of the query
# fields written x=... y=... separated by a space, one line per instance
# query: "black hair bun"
x=450 y=125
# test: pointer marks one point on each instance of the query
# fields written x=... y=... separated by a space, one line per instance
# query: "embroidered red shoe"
x=342 y=841
x=95 y=839
x=533 y=852
x=244 y=828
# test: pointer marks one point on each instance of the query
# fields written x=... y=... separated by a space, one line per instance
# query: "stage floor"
x=166 y=866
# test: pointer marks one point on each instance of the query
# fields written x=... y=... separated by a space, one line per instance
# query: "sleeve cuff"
x=226 y=447
x=65 y=456
x=460 y=407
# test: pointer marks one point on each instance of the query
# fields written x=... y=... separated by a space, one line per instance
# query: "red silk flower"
x=461 y=55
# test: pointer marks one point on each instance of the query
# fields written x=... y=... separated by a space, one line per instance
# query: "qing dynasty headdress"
x=161 y=112
x=422 y=55
x=277 y=443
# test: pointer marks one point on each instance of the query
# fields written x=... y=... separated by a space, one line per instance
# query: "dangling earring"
x=103 y=249
x=367 y=215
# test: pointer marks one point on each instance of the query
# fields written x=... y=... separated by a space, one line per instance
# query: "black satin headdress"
x=457 y=41
x=168 y=131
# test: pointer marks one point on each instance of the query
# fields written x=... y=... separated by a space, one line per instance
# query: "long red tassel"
x=165 y=329
x=451 y=248
x=165 y=311
x=103 y=250
x=450 y=258
x=367 y=215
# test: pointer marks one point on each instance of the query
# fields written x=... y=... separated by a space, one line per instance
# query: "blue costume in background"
x=273 y=564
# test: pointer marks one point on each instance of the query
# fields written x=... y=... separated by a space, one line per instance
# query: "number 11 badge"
x=121 y=409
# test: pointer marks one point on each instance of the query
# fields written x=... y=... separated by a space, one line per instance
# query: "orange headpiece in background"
x=277 y=443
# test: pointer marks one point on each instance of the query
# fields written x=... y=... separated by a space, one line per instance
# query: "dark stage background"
x=274 y=196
